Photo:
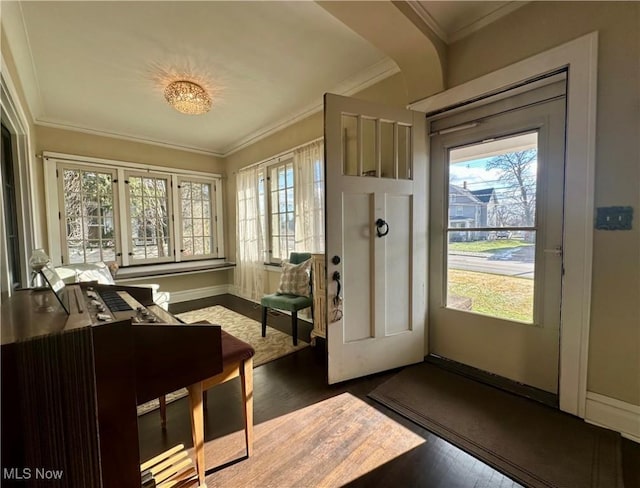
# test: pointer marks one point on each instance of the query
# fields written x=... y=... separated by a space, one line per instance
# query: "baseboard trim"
x=196 y=293
x=613 y=414
x=233 y=290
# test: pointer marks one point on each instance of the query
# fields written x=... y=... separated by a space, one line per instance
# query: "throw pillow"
x=295 y=279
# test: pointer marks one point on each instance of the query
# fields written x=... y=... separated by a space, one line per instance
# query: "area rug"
x=276 y=345
x=531 y=443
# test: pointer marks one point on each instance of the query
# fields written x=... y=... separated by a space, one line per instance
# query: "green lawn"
x=500 y=296
x=488 y=246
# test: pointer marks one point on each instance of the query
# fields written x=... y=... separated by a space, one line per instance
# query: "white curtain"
x=250 y=257
x=308 y=170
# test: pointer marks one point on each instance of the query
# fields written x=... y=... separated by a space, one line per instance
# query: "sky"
x=477 y=175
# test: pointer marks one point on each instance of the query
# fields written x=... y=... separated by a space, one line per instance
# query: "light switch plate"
x=614 y=218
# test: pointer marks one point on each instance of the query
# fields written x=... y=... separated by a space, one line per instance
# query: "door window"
x=492 y=197
x=376 y=148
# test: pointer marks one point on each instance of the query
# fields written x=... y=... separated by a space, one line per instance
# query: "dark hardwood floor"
x=297 y=381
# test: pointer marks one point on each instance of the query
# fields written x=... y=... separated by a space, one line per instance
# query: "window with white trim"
x=88 y=208
x=149 y=204
x=144 y=215
x=197 y=218
x=281 y=207
x=290 y=192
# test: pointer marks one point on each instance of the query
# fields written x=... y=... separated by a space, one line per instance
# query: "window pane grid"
x=89 y=220
x=196 y=219
x=149 y=217
x=282 y=211
x=88 y=216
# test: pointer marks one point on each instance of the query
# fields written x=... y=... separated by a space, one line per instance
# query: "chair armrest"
x=153 y=286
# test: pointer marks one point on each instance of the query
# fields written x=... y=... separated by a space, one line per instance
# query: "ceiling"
x=102 y=66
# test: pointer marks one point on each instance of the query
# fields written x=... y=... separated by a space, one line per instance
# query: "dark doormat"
x=531 y=443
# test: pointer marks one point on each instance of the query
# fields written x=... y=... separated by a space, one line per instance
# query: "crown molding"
x=427 y=18
x=487 y=19
x=430 y=22
x=370 y=76
x=115 y=135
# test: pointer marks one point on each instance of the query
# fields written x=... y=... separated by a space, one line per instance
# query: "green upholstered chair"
x=290 y=303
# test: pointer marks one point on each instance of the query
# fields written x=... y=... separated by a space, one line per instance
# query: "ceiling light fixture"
x=187 y=97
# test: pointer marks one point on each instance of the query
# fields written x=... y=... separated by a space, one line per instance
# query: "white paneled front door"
x=376 y=236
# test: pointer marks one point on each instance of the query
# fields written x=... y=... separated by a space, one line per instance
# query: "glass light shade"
x=187 y=97
x=38 y=259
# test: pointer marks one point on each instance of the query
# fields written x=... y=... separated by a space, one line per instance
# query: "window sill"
x=136 y=273
x=274 y=268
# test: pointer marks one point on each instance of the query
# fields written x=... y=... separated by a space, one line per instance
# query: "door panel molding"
x=357 y=289
x=580 y=58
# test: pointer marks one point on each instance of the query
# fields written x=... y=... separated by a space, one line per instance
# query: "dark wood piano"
x=71 y=383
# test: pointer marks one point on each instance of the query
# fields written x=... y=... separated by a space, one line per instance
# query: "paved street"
x=485 y=265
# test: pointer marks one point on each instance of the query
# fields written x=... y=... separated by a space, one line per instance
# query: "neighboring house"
x=471 y=209
x=489 y=209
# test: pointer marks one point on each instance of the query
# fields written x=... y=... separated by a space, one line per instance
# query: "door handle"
x=556 y=251
x=382 y=228
x=337 y=299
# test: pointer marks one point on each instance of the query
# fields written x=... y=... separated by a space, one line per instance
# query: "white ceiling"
x=102 y=66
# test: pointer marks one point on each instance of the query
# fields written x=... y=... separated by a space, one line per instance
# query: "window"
x=281 y=210
x=89 y=226
x=146 y=215
x=149 y=207
x=290 y=205
x=196 y=210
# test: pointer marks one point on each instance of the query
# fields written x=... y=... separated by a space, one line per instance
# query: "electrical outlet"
x=614 y=218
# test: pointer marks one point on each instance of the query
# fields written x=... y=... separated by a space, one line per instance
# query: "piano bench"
x=237 y=360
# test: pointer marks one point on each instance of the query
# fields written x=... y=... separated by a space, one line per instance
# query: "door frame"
x=15 y=118
x=580 y=57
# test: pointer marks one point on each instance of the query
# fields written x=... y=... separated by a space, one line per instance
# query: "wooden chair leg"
x=197 y=427
x=294 y=327
x=163 y=411
x=246 y=379
x=264 y=321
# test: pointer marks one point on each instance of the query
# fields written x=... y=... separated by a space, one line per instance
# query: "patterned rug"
x=276 y=345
